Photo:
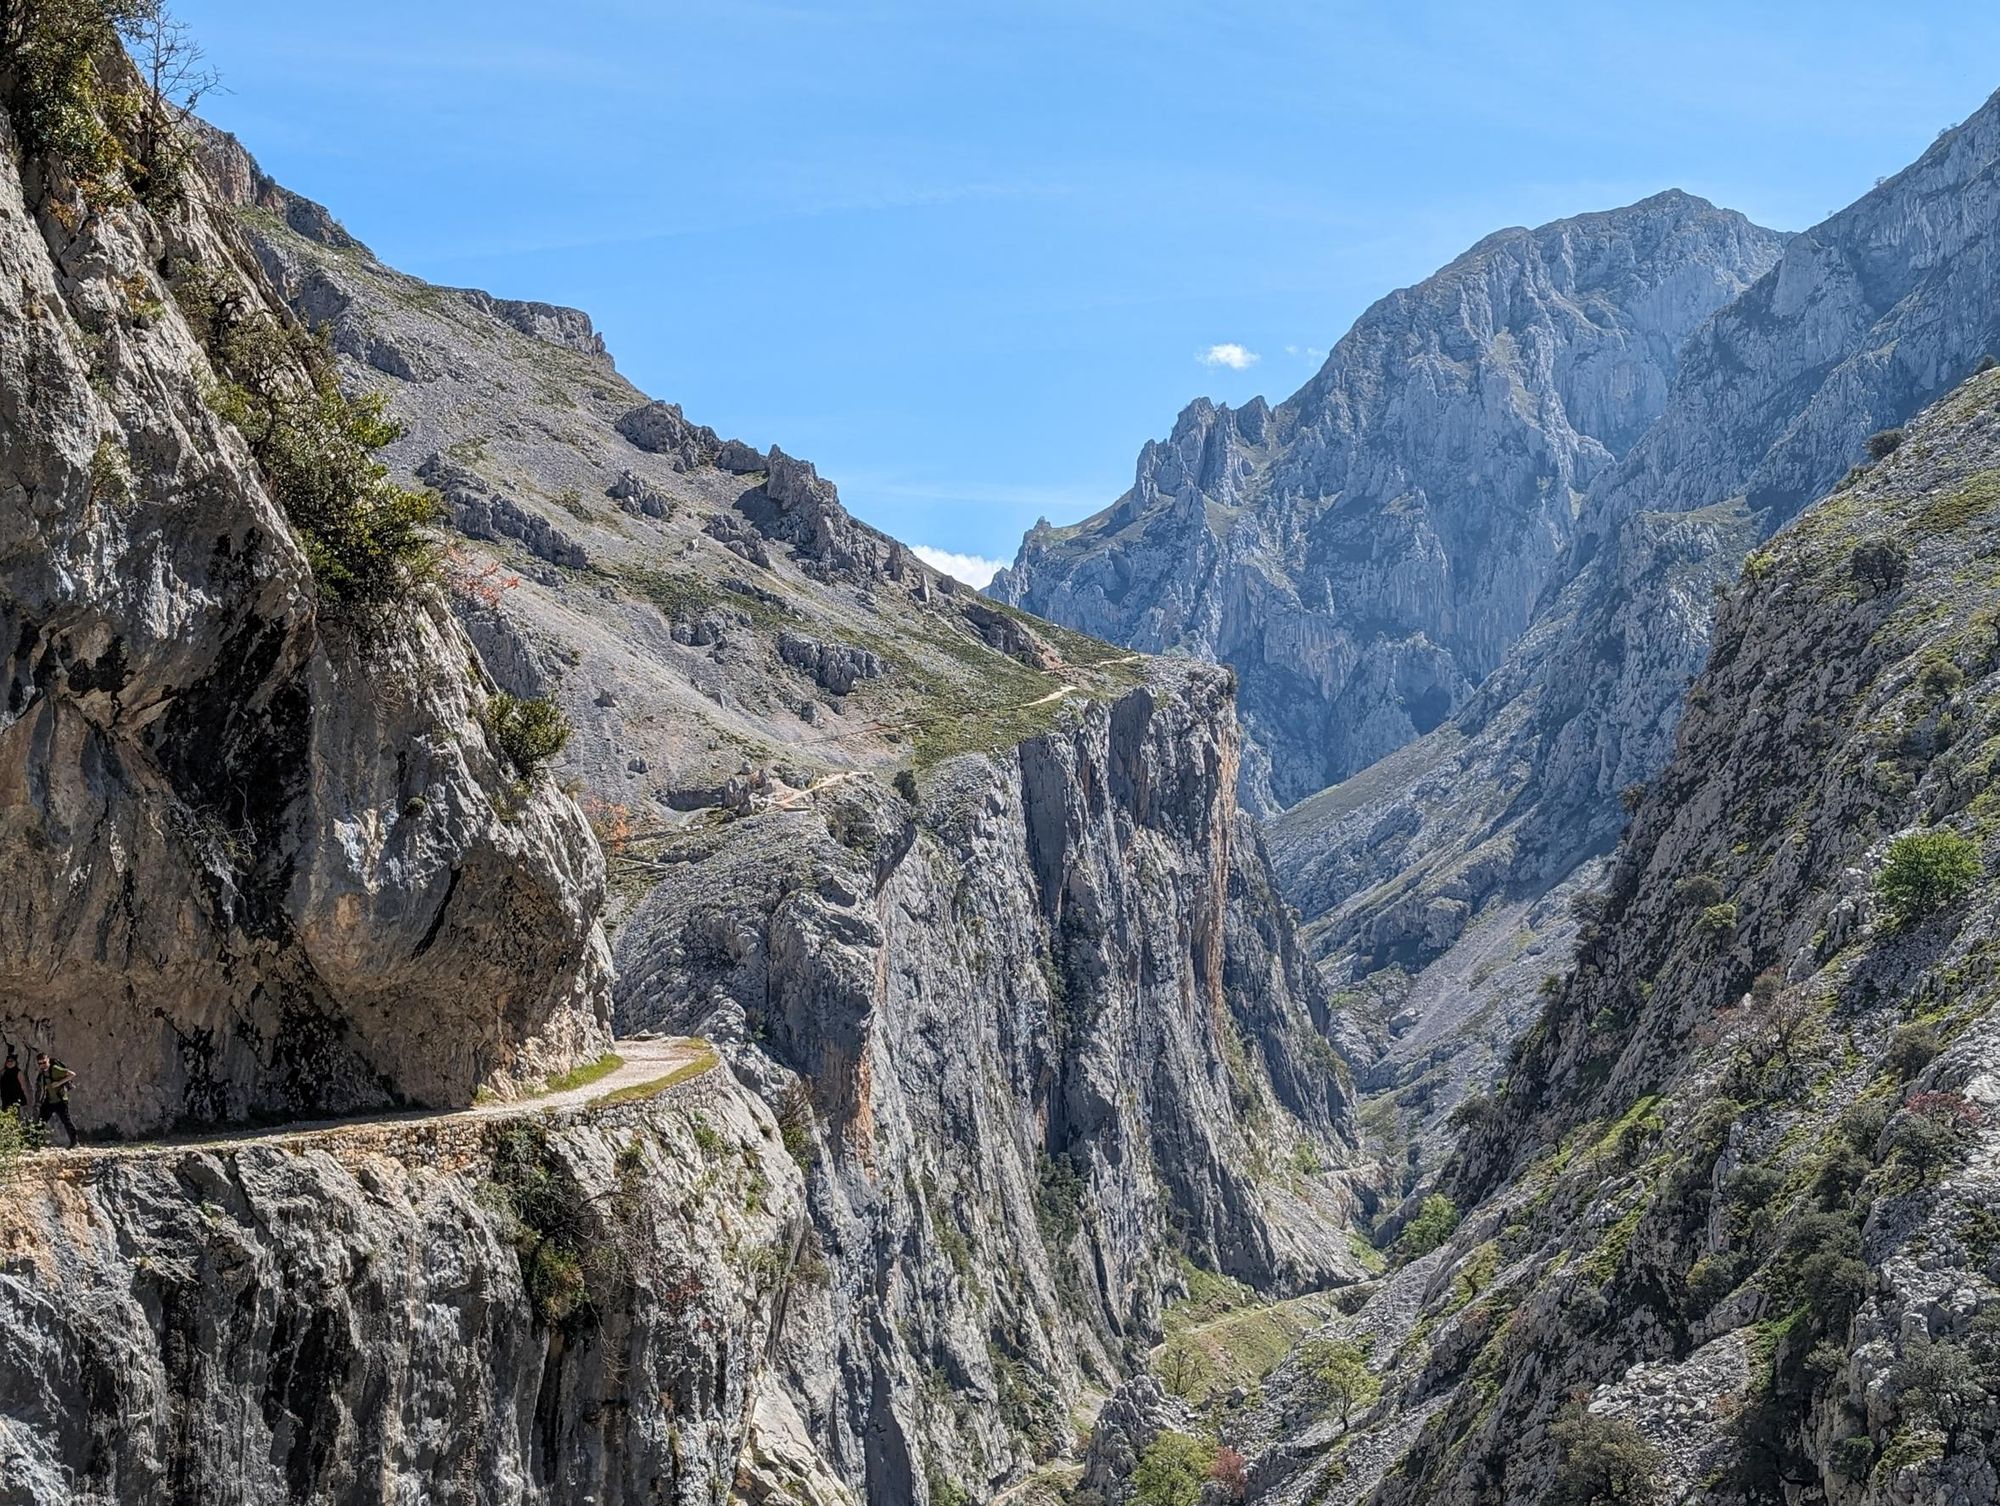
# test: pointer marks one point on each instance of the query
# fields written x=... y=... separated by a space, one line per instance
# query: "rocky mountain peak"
x=1365 y=552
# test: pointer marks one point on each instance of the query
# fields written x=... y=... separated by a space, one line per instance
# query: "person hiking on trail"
x=52 y=1084
x=13 y=1092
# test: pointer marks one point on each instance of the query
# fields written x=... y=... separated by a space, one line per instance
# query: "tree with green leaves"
x=1927 y=872
x=1603 y=1461
x=1436 y=1218
x=1172 y=1471
x=1336 y=1372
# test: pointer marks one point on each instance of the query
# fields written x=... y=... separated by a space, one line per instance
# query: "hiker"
x=52 y=1084
x=13 y=1092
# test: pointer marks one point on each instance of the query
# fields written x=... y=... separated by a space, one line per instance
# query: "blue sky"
x=968 y=257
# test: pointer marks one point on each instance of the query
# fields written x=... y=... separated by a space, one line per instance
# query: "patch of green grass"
x=679 y=594
x=586 y=1074
x=1242 y=1347
x=1947 y=514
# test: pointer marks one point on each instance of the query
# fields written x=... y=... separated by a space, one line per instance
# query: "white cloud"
x=969 y=568
x=1232 y=355
x=1309 y=352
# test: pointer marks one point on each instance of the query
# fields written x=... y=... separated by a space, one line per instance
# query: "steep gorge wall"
x=1735 y=1192
x=364 y=1315
x=252 y=861
x=1056 y=1039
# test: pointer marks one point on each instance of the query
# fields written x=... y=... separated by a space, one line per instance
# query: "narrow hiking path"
x=646 y=1066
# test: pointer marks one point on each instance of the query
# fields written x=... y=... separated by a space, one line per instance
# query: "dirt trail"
x=643 y=1062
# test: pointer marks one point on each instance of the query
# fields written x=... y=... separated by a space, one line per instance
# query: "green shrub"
x=1172 y=1471
x=1938 y=1382
x=367 y=540
x=795 y=1123
x=1699 y=890
x=1337 y=1375
x=1853 y=1458
x=1712 y=1278
x=1926 y=873
x=1911 y=1049
x=1883 y=443
x=530 y=732
x=1927 y=1143
x=18 y=1136
x=549 y=1223
x=1939 y=676
x=1603 y=1461
x=1436 y=1218
x=57 y=97
x=1719 y=920
x=1750 y=1191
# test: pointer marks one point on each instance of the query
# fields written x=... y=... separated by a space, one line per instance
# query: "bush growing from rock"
x=1883 y=443
x=529 y=732
x=1938 y=1382
x=1172 y=1471
x=1720 y=920
x=1603 y=1461
x=1435 y=1219
x=1927 y=872
x=368 y=540
x=1699 y=890
x=1712 y=1278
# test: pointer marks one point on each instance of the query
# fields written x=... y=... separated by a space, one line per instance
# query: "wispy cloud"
x=969 y=568
x=1306 y=352
x=1229 y=354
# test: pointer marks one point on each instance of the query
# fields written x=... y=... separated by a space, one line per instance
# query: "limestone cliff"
x=253 y=858
x=1456 y=856
x=1734 y=1193
x=1367 y=552
x=1057 y=1045
x=463 y=1310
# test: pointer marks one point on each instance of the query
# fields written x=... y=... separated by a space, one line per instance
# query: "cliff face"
x=1366 y=553
x=1735 y=1189
x=963 y=895
x=458 y=1311
x=1433 y=859
x=252 y=861
x=1053 y=1050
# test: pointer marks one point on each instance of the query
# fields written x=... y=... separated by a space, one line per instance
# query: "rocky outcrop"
x=962 y=894
x=254 y=859
x=1730 y=1192
x=1864 y=319
x=1034 y=1023
x=1366 y=553
x=479 y=511
x=455 y=1311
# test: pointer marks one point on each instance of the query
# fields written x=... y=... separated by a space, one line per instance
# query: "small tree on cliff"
x=1336 y=1372
x=1603 y=1461
x=1926 y=873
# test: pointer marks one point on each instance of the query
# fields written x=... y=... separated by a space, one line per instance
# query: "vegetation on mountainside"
x=368 y=540
x=1603 y=1461
x=1337 y=1376
x=116 y=125
x=1436 y=1218
x=1926 y=873
x=1172 y=1471
x=530 y=731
